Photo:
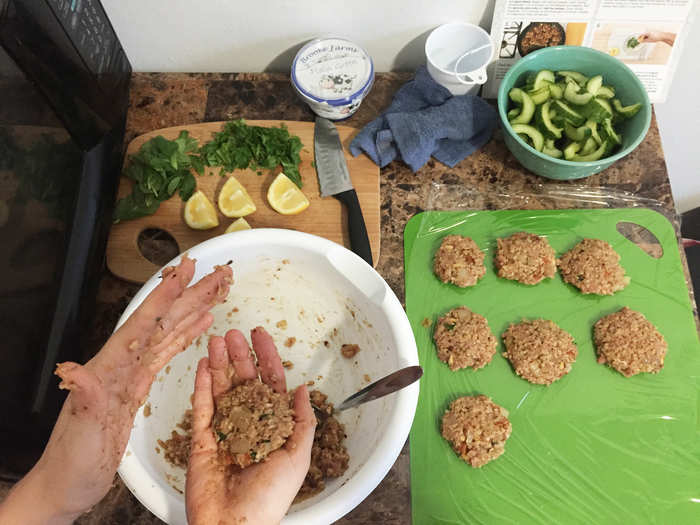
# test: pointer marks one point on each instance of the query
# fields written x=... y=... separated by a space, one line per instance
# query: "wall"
x=230 y=35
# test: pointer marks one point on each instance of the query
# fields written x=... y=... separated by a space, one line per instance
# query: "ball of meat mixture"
x=526 y=258
x=251 y=421
x=459 y=261
x=463 y=339
x=629 y=343
x=477 y=428
x=593 y=267
x=539 y=351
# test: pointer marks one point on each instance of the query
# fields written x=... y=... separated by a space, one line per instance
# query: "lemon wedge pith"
x=234 y=200
x=238 y=225
x=285 y=197
x=200 y=213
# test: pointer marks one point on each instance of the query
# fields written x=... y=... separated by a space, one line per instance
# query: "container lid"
x=332 y=70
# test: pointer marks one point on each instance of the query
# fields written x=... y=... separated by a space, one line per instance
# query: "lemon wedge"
x=238 y=225
x=200 y=213
x=285 y=197
x=234 y=200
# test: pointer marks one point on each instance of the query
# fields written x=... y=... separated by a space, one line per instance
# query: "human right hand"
x=263 y=492
x=658 y=36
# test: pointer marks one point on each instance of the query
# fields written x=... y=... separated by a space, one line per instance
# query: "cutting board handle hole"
x=642 y=237
x=157 y=245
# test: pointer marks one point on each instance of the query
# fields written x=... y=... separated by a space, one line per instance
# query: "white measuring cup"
x=457 y=55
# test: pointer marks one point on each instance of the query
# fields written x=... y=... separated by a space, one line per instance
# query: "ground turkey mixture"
x=251 y=421
x=629 y=343
x=539 y=351
x=463 y=339
x=329 y=457
x=459 y=261
x=176 y=449
x=526 y=258
x=477 y=428
x=593 y=267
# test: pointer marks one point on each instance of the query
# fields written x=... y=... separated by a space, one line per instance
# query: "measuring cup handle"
x=474 y=77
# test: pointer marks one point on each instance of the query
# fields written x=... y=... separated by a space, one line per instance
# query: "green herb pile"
x=163 y=167
x=633 y=42
x=240 y=146
x=158 y=170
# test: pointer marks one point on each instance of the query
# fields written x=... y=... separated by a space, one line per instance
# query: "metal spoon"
x=380 y=388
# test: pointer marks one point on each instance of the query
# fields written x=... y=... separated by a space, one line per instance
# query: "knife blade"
x=334 y=180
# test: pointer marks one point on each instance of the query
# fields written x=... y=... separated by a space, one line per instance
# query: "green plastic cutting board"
x=594 y=447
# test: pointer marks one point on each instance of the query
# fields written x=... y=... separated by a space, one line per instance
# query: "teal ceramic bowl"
x=590 y=62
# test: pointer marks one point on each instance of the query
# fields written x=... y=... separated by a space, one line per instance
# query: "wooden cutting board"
x=324 y=217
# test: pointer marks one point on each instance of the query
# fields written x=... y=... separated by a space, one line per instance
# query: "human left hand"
x=78 y=465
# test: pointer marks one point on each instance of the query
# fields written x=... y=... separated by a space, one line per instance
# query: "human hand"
x=86 y=445
x=262 y=492
x=658 y=36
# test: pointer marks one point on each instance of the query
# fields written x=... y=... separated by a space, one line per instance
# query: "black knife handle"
x=359 y=241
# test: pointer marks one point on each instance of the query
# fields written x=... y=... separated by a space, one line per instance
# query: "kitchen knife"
x=334 y=179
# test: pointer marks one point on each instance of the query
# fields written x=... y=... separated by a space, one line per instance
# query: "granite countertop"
x=489 y=179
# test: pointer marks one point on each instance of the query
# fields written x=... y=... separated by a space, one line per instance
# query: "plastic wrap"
x=594 y=447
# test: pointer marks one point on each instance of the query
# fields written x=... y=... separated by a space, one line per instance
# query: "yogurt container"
x=332 y=75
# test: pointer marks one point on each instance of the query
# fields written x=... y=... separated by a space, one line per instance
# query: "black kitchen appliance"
x=64 y=83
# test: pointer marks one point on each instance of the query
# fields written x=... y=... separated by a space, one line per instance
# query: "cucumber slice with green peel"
x=588 y=147
x=577 y=134
x=605 y=92
x=536 y=138
x=608 y=132
x=571 y=150
x=597 y=110
x=542 y=76
x=626 y=111
x=539 y=96
x=594 y=84
x=551 y=149
x=577 y=77
x=513 y=113
x=527 y=106
x=568 y=113
x=556 y=91
x=572 y=95
x=595 y=155
x=544 y=121
x=593 y=126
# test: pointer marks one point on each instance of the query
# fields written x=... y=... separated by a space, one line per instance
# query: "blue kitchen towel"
x=425 y=119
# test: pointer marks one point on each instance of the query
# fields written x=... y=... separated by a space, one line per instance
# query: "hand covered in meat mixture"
x=260 y=493
x=78 y=465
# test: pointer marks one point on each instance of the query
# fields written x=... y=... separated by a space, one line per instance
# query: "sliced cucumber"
x=594 y=84
x=527 y=106
x=597 y=110
x=595 y=155
x=539 y=96
x=588 y=147
x=577 y=134
x=593 y=126
x=551 y=149
x=571 y=150
x=577 y=77
x=605 y=92
x=542 y=76
x=626 y=111
x=609 y=133
x=568 y=113
x=536 y=138
x=544 y=121
x=572 y=95
x=556 y=91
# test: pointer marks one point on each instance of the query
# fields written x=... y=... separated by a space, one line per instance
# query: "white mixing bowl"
x=325 y=293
